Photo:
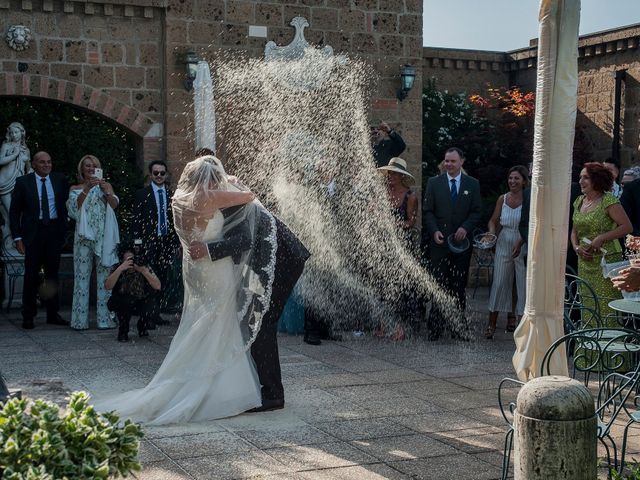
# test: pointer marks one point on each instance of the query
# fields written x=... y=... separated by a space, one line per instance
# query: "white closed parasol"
x=556 y=92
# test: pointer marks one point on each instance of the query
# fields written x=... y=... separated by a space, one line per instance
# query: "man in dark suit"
x=452 y=208
x=630 y=200
x=153 y=223
x=38 y=219
x=291 y=256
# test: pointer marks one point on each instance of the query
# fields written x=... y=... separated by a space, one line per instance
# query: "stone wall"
x=124 y=58
x=599 y=56
x=385 y=33
x=86 y=54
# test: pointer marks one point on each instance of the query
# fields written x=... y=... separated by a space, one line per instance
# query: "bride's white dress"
x=208 y=372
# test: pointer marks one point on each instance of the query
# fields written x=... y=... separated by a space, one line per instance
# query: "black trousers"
x=43 y=252
x=264 y=349
x=161 y=252
x=451 y=271
x=124 y=306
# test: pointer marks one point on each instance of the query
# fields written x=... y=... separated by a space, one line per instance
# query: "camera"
x=138 y=257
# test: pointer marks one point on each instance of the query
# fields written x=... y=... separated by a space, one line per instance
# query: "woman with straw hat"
x=404 y=207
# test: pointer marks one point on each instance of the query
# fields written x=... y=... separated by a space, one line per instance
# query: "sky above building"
x=504 y=25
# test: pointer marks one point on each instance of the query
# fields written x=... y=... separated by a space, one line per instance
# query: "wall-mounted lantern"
x=191 y=66
x=407 y=78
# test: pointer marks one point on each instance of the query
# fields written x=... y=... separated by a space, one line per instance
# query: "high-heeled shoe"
x=512 y=323
x=489 y=332
x=399 y=334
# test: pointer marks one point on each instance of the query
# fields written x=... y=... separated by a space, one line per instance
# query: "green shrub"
x=37 y=443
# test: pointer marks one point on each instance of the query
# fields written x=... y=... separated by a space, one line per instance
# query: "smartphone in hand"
x=98 y=173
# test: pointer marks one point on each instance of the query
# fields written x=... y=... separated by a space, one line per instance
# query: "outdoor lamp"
x=407 y=77
x=191 y=63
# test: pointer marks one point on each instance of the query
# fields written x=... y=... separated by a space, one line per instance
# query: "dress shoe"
x=27 y=324
x=312 y=339
x=143 y=329
x=57 y=320
x=123 y=337
x=161 y=321
x=268 y=405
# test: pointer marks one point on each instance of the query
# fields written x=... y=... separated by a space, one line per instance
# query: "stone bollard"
x=555 y=431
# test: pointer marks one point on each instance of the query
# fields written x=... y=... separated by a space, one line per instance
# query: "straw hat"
x=397 y=164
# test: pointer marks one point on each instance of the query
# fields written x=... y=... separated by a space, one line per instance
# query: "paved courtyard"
x=361 y=409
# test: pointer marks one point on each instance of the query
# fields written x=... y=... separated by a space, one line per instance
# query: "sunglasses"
x=158 y=174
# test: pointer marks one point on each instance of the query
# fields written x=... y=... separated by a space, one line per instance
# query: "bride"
x=208 y=372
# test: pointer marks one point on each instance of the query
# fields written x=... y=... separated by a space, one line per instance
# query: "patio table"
x=622 y=305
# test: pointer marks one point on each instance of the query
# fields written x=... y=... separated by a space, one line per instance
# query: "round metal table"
x=630 y=307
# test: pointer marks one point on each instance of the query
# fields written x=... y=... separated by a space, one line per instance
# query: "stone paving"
x=361 y=409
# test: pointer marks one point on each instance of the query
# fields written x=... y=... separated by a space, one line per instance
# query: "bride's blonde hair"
x=199 y=176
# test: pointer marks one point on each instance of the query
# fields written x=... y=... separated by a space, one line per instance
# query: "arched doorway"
x=68 y=132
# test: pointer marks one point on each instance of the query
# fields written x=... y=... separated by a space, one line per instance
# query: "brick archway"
x=91 y=99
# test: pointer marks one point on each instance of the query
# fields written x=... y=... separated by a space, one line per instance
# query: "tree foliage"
x=68 y=133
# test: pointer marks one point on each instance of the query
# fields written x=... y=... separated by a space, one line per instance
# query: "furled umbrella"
x=556 y=92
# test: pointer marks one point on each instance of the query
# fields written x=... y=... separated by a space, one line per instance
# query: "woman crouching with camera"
x=130 y=282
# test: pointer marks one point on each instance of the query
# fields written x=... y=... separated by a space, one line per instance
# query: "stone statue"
x=15 y=160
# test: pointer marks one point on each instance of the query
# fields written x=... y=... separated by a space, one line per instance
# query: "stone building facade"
x=600 y=55
x=124 y=59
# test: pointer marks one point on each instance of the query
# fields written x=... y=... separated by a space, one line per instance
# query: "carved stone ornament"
x=314 y=64
x=18 y=37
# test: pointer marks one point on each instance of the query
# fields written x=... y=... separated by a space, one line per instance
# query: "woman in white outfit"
x=91 y=204
x=208 y=372
x=509 y=257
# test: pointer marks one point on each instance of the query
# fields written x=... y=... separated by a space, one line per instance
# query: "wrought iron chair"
x=615 y=359
x=483 y=253
x=14 y=269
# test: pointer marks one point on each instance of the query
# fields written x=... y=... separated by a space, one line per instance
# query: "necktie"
x=163 y=219
x=44 y=202
x=454 y=191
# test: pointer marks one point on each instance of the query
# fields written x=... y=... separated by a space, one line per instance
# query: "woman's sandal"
x=512 y=323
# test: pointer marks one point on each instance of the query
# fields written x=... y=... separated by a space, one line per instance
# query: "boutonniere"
x=466 y=192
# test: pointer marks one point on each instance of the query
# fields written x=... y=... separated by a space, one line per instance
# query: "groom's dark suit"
x=440 y=213
x=291 y=256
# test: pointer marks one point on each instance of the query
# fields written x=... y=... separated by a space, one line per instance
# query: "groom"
x=291 y=256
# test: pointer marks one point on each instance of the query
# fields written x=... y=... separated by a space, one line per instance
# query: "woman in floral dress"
x=598 y=222
x=91 y=205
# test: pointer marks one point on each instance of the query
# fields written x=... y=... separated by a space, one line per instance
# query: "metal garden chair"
x=14 y=269
x=616 y=361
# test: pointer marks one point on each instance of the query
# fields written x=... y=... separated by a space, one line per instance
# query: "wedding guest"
x=452 y=209
x=628 y=280
x=387 y=143
x=630 y=200
x=509 y=255
x=38 y=218
x=404 y=208
x=598 y=221
x=614 y=167
x=628 y=176
x=131 y=283
x=91 y=204
x=153 y=224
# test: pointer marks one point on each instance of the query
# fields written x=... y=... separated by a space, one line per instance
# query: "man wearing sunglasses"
x=153 y=224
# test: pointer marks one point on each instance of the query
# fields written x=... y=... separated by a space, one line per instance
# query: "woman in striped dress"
x=509 y=259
